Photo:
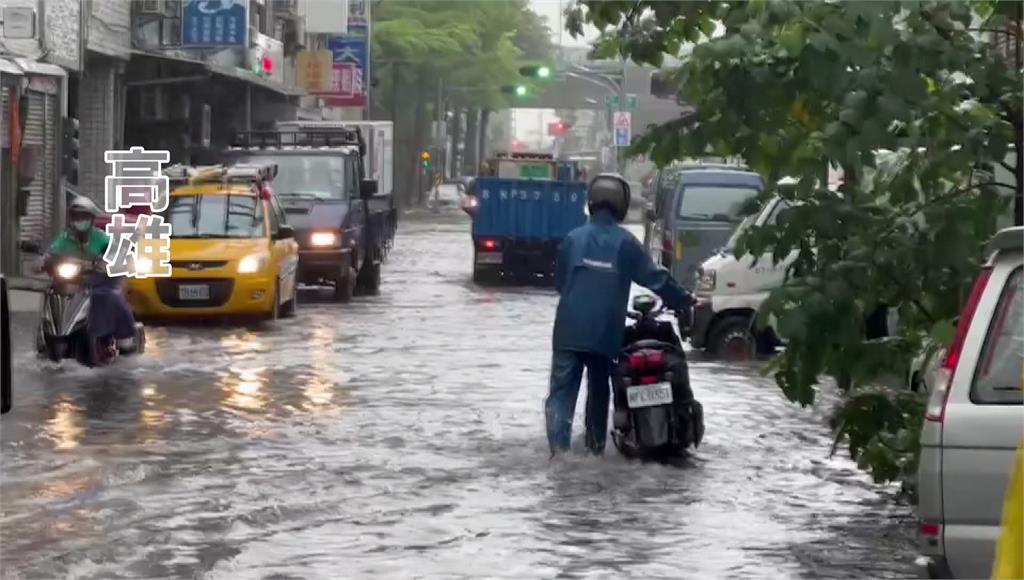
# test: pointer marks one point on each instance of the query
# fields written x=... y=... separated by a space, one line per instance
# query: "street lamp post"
x=614 y=86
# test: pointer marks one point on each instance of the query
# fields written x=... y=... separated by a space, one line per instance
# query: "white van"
x=730 y=290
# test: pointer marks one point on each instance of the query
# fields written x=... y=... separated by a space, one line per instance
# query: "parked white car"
x=974 y=421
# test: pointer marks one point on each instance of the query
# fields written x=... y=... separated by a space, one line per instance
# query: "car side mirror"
x=29 y=247
x=367 y=188
x=285 y=232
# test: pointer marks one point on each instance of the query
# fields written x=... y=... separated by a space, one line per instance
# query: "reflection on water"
x=319 y=389
x=65 y=427
x=244 y=342
x=246 y=388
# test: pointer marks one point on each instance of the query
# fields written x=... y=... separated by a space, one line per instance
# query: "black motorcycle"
x=656 y=415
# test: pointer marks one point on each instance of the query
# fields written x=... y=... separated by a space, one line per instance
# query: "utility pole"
x=620 y=154
x=439 y=123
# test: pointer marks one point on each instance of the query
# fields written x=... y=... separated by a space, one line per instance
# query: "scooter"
x=64 y=320
x=656 y=415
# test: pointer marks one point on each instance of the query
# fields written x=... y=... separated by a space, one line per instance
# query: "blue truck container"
x=520 y=223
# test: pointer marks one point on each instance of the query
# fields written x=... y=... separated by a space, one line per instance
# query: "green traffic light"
x=520 y=91
x=543 y=72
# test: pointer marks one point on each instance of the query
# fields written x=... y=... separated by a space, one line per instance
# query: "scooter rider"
x=109 y=313
x=596 y=265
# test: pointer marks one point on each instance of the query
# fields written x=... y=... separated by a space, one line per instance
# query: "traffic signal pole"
x=615 y=87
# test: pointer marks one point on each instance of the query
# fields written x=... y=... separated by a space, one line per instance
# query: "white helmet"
x=82 y=204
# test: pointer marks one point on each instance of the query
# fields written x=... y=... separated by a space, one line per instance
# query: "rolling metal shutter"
x=41 y=130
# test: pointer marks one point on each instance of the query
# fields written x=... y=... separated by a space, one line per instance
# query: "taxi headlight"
x=707 y=281
x=252 y=264
x=324 y=239
x=68 y=270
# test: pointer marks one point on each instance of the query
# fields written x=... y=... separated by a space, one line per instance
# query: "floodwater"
x=402 y=436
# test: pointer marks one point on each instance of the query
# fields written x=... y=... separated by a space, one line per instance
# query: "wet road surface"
x=401 y=436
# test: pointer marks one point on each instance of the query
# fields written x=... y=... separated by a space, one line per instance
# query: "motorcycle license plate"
x=648 y=395
x=193 y=292
x=489 y=258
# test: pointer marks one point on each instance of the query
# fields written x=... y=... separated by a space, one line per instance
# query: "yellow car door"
x=285 y=251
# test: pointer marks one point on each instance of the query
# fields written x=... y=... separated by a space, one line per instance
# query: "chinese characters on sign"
x=214 y=23
x=349 y=74
x=315 y=70
x=139 y=248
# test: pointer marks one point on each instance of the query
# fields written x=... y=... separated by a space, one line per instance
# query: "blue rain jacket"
x=597 y=263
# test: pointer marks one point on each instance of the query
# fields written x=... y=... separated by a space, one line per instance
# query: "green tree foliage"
x=914 y=108
x=474 y=47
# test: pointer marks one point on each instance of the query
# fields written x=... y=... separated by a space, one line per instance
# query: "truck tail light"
x=936 y=410
x=929 y=529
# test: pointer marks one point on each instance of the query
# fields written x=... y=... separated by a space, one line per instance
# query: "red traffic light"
x=558 y=128
x=516 y=144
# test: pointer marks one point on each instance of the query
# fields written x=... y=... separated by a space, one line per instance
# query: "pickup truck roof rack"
x=241 y=173
x=524 y=156
x=301 y=137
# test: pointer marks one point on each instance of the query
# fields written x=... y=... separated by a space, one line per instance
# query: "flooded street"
x=402 y=436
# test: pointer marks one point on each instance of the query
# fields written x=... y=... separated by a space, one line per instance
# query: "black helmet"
x=609 y=191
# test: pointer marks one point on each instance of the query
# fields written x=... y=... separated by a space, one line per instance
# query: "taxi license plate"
x=489 y=258
x=648 y=395
x=194 y=292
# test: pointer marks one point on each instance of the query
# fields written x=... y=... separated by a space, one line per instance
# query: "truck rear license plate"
x=194 y=292
x=649 y=395
x=489 y=258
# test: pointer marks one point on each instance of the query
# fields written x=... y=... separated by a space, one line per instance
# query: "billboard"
x=214 y=23
x=350 y=72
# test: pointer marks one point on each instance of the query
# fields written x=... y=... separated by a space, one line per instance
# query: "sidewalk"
x=24 y=300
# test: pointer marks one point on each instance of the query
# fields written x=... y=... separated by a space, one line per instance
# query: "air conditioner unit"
x=286 y=8
x=152 y=7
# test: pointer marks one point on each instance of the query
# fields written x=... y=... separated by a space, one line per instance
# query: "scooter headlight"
x=143 y=266
x=68 y=270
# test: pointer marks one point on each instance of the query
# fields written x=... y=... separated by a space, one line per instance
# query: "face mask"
x=83 y=225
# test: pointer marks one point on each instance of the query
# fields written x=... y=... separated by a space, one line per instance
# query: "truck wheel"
x=732 y=339
x=485 y=276
x=368 y=281
x=343 y=285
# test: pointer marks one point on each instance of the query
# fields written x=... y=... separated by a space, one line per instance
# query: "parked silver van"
x=696 y=209
x=974 y=421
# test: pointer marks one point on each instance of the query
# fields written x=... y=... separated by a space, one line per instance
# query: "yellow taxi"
x=232 y=251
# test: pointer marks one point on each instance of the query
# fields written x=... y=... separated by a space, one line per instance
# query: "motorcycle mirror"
x=644 y=303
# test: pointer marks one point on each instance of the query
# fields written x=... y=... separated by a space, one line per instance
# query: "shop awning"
x=9 y=68
x=39 y=68
x=250 y=77
x=219 y=69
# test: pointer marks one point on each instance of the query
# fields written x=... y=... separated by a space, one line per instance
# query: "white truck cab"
x=730 y=290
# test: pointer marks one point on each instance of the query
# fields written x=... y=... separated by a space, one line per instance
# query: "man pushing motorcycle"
x=596 y=265
x=110 y=314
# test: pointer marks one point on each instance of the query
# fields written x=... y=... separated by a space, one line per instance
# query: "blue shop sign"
x=214 y=23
